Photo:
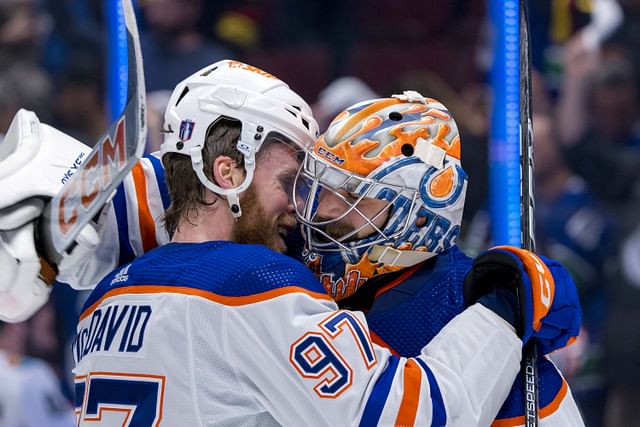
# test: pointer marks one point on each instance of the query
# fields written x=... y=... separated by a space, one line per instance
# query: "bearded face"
x=257 y=227
x=267 y=211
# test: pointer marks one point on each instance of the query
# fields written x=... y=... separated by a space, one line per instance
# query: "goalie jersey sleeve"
x=130 y=226
x=409 y=310
x=219 y=333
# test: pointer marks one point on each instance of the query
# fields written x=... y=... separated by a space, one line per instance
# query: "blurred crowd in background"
x=586 y=123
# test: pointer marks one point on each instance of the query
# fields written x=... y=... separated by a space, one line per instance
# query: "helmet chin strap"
x=231 y=194
x=396 y=258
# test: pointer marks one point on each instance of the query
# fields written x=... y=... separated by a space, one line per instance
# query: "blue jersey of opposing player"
x=574 y=229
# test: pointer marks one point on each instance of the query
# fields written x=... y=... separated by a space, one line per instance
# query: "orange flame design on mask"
x=355 y=275
x=439 y=140
x=355 y=155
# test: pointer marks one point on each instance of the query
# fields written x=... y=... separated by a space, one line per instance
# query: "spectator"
x=622 y=338
x=22 y=29
x=572 y=228
x=30 y=395
x=156 y=104
x=80 y=94
x=556 y=22
x=598 y=109
x=23 y=85
x=599 y=112
x=172 y=46
x=77 y=25
x=337 y=96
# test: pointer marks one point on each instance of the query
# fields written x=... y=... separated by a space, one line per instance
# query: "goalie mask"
x=382 y=189
x=263 y=104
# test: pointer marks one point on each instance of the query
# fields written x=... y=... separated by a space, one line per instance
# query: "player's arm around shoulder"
x=311 y=364
x=130 y=225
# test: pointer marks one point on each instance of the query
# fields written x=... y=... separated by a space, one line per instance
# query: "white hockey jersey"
x=218 y=333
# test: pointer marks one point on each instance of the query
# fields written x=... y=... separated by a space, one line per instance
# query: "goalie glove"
x=535 y=294
x=35 y=161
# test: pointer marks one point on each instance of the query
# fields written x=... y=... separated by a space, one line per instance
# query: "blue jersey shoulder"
x=408 y=315
x=224 y=268
x=122 y=206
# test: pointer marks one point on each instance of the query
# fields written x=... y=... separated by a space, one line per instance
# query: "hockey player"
x=384 y=193
x=228 y=309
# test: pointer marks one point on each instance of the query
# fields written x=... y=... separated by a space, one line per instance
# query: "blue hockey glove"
x=533 y=293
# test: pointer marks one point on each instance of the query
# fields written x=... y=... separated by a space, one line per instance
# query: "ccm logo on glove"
x=541 y=282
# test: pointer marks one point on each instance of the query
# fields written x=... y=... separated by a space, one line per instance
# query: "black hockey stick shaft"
x=527 y=205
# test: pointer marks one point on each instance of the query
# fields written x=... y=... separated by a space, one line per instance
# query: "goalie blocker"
x=35 y=162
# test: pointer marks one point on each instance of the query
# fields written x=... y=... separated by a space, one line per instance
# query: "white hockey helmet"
x=261 y=102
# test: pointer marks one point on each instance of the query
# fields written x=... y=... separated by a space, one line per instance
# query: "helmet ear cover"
x=405 y=150
x=262 y=103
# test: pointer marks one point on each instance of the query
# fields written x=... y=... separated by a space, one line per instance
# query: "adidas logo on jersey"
x=121 y=276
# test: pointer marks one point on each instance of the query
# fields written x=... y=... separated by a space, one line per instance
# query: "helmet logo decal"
x=186 y=129
x=442 y=183
x=441 y=188
x=333 y=158
x=243 y=66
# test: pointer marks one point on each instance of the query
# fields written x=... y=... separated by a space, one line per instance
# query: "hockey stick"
x=105 y=167
x=527 y=206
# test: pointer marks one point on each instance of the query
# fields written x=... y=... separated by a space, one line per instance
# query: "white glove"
x=19 y=263
x=35 y=161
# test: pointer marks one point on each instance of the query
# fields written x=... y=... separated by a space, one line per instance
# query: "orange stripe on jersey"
x=399 y=280
x=410 y=394
x=382 y=343
x=145 y=219
x=544 y=412
x=221 y=299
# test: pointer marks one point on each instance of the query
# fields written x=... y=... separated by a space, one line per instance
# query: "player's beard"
x=336 y=230
x=256 y=227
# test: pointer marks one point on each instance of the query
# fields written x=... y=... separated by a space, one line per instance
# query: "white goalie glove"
x=35 y=162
